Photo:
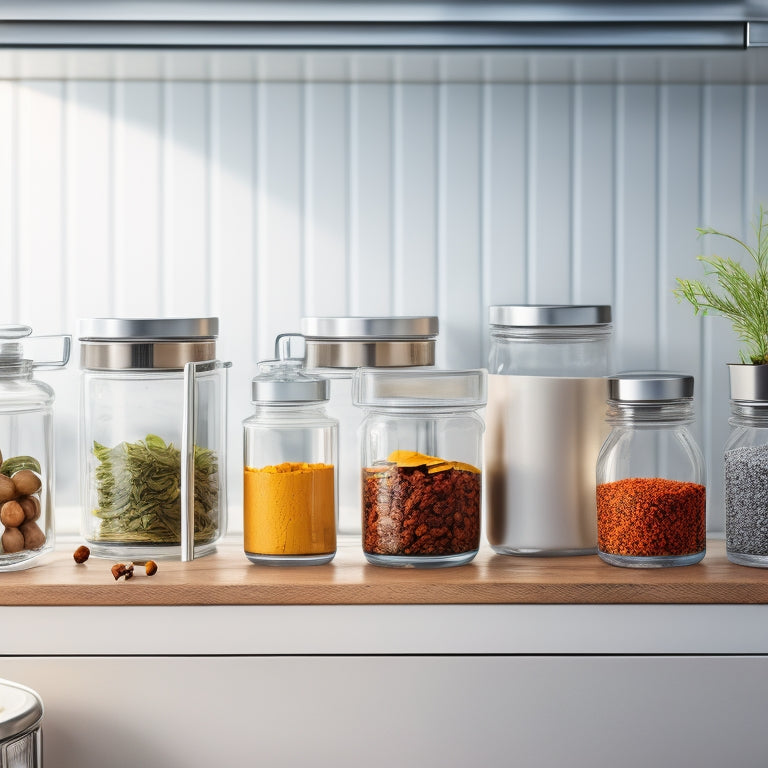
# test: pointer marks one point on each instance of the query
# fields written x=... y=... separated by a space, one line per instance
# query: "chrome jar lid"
x=284 y=382
x=114 y=343
x=545 y=315
x=429 y=388
x=379 y=342
x=649 y=386
x=20 y=709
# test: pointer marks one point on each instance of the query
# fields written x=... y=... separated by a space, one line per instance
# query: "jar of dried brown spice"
x=421 y=453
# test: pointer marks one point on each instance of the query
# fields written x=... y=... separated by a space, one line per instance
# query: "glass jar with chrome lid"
x=746 y=467
x=26 y=445
x=335 y=347
x=152 y=437
x=545 y=426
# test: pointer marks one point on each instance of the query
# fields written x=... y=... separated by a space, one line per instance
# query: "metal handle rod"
x=188 y=464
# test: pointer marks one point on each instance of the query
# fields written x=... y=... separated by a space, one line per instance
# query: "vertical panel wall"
x=264 y=200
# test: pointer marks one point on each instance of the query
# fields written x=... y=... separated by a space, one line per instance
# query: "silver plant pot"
x=749 y=383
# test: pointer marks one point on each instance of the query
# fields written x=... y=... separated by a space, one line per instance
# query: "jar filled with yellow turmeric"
x=290 y=467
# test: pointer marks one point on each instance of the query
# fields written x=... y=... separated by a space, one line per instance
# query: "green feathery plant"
x=743 y=297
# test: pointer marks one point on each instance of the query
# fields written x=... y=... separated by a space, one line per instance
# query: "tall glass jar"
x=26 y=448
x=545 y=426
x=335 y=347
x=290 y=457
x=651 y=496
x=152 y=437
x=746 y=467
x=421 y=453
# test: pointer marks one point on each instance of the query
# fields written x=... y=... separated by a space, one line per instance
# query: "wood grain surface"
x=228 y=578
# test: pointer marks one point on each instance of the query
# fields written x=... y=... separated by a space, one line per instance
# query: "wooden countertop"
x=227 y=578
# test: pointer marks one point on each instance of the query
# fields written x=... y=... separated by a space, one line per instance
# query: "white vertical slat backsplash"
x=262 y=201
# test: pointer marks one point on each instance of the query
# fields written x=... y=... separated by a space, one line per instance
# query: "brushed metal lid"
x=427 y=388
x=404 y=327
x=149 y=328
x=649 y=386
x=749 y=383
x=20 y=709
x=286 y=381
x=538 y=315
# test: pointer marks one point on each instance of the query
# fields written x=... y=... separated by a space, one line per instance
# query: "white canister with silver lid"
x=21 y=715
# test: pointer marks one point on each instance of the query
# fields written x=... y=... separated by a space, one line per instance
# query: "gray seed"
x=746 y=500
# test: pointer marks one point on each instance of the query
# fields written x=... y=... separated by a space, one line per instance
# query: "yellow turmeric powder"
x=290 y=509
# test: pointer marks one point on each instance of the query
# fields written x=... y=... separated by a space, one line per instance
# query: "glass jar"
x=421 y=454
x=152 y=437
x=21 y=716
x=26 y=448
x=545 y=426
x=651 y=496
x=335 y=347
x=746 y=467
x=290 y=473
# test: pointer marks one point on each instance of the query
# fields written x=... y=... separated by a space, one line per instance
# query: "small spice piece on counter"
x=150 y=567
x=290 y=509
x=81 y=554
x=416 y=504
x=651 y=517
x=746 y=500
x=139 y=492
x=122 y=569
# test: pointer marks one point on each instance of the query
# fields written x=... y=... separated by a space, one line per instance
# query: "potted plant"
x=741 y=295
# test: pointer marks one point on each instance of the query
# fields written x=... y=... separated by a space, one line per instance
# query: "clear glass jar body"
x=26 y=432
x=746 y=485
x=544 y=428
x=420 y=515
x=290 y=485
x=651 y=496
x=130 y=441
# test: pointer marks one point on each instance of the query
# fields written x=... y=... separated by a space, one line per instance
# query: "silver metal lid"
x=413 y=327
x=538 y=315
x=20 y=709
x=749 y=383
x=152 y=328
x=429 y=388
x=284 y=380
x=649 y=386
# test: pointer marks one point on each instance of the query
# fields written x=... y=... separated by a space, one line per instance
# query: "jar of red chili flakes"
x=421 y=452
x=651 y=499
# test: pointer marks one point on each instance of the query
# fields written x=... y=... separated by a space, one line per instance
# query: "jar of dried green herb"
x=153 y=435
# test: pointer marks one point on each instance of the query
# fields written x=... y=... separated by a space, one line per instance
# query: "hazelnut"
x=7 y=489
x=12 y=540
x=26 y=482
x=121 y=569
x=81 y=554
x=150 y=567
x=11 y=514
x=34 y=538
x=31 y=507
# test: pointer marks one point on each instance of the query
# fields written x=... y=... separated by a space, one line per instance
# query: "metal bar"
x=363 y=35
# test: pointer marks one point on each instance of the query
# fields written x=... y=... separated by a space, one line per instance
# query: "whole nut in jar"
x=26 y=482
x=34 y=538
x=31 y=507
x=12 y=540
x=7 y=489
x=11 y=514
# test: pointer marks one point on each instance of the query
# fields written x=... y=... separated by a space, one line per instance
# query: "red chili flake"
x=651 y=517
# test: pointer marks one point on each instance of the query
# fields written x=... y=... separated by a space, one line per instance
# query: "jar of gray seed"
x=746 y=467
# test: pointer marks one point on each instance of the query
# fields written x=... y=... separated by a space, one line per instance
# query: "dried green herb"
x=139 y=492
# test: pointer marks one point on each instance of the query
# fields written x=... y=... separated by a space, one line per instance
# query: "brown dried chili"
x=430 y=509
x=651 y=517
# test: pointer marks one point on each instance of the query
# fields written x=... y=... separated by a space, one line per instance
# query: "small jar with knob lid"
x=651 y=495
x=26 y=445
x=290 y=473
